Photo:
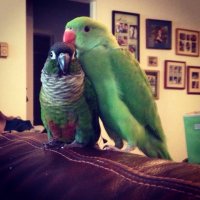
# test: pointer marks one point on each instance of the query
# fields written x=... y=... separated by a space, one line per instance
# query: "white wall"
x=173 y=104
x=13 y=68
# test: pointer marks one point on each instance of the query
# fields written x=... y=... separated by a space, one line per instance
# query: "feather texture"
x=126 y=104
x=65 y=112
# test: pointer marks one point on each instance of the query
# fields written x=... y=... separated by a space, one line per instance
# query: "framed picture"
x=174 y=74
x=158 y=34
x=154 y=79
x=126 y=28
x=193 y=80
x=187 y=42
x=152 y=61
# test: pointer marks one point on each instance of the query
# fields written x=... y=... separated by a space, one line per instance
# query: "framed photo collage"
x=177 y=75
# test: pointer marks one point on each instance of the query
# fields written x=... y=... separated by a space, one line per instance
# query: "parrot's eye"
x=86 y=28
x=52 y=55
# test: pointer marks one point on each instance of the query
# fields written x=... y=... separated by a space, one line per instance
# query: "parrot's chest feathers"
x=62 y=90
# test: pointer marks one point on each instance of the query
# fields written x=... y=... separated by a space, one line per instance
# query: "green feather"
x=65 y=112
x=126 y=104
x=50 y=67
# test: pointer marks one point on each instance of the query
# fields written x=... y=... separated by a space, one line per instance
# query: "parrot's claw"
x=111 y=148
x=114 y=148
x=73 y=144
x=54 y=144
x=129 y=148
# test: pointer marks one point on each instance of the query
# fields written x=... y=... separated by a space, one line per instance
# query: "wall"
x=173 y=104
x=13 y=68
x=53 y=22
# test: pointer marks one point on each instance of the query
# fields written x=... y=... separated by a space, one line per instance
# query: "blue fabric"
x=18 y=125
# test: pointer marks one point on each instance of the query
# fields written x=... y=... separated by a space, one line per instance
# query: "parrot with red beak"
x=126 y=104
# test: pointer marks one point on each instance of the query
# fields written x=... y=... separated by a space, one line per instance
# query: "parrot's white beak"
x=69 y=36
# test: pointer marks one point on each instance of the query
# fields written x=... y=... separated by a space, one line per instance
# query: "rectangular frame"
x=193 y=79
x=158 y=34
x=153 y=77
x=175 y=72
x=152 y=61
x=187 y=42
x=126 y=29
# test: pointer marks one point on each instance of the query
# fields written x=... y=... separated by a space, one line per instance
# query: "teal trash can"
x=192 y=133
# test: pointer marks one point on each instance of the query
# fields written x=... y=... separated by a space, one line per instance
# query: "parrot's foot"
x=79 y=145
x=129 y=148
x=54 y=144
x=114 y=148
x=74 y=144
x=111 y=148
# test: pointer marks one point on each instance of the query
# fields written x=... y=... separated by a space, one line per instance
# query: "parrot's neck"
x=81 y=52
x=67 y=89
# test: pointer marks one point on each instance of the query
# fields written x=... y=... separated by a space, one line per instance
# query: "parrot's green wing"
x=127 y=105
x=132 y=80
x=91 y=100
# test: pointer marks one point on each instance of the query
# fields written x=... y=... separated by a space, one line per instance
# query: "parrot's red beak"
x=69 y=36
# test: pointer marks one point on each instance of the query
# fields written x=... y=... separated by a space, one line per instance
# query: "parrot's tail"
x=156 y=151
x=153 y=146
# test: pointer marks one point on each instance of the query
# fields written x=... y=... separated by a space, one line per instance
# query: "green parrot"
x=67 y=99
x=126 y=104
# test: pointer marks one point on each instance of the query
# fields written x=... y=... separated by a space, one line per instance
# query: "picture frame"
x=152 y=61
x=126 y=29
x=153 y=77
x=174 y=74
x=193 y=79
x=187 y=42
x=158 y=34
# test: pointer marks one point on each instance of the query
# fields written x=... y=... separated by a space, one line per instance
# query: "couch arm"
x=27 y=171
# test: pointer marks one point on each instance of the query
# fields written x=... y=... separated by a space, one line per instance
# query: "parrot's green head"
x=87 y=34
x=59 y=59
